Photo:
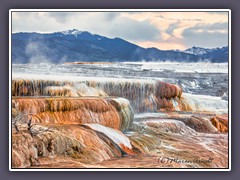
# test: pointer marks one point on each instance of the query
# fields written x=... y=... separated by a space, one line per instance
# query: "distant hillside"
x=214 y=54
x=75 y=45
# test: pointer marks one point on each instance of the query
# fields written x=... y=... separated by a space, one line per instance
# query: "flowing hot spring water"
x=118 y=115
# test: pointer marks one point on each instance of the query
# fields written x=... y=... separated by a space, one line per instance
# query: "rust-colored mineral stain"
x=73 y=111
x=57 y=137
x=167 y=90
x=165 y=105
x=70 y=140
x=127 y=150
x=220 y=122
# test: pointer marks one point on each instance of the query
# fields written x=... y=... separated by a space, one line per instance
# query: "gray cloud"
x=219 y=26
x=63 y=17
x=110 y=24
x=109 y=16
x=204 y=38
x=219 y=13
x=135 y=30
x=174 y=19
x=172 y=27
x=27 y=14
x=215 y=26
x=60 y=17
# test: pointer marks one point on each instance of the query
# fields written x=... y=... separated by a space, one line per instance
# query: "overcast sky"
x=163 y=30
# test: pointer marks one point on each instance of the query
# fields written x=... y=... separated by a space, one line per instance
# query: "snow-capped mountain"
x=213 y=54
x=75 y=45
x=74 y=32
x=197 y=50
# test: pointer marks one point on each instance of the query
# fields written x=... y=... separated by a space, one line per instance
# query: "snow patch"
x=74 y=32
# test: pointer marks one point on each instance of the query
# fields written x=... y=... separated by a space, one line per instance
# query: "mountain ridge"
x=75 y=45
